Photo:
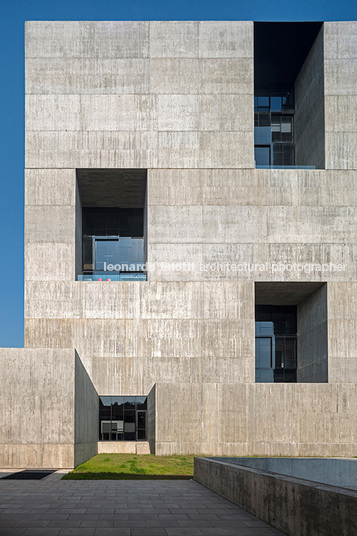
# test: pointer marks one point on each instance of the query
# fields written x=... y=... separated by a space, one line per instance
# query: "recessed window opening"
x=280 y=51
x=113 y=225
x=122 y=418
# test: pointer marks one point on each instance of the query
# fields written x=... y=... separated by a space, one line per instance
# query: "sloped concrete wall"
x=86 y=412
x=312 y=344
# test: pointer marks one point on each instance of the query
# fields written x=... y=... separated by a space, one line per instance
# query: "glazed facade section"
x=144 y=132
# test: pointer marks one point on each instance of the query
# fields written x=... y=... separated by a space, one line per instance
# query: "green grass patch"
x=133 y=467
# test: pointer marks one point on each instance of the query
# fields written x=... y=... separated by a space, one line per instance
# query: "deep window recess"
x=113 y=244
x=122 y=418
x=275 y=343
x=288 y=132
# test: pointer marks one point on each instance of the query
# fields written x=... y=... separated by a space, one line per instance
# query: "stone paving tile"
x=52 y=507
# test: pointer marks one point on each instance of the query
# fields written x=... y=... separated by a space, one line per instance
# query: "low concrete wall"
x=123 y=447
x=294 y=506
x=341 y=472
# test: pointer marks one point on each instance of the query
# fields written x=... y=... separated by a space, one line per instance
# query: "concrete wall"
x=50 y=213
x=309 y=120
x=256 y=419
x=37 y=400
x=139 y=94
x=291 y=505
x=312 y=357
x=86 y=411
x=214 y=217
x=50 y=409
x=123 y=447
x=340 y=53
x=131 y=335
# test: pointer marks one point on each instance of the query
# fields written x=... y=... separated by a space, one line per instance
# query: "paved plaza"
x=52 y=507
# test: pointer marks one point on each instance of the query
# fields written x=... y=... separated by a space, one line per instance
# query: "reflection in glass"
x=273 y=127
x=122 y=418
x=276 y=343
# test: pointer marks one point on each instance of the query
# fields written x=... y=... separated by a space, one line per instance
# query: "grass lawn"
x=133 y=467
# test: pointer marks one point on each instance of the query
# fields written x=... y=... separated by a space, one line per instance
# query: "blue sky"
x=13 y=14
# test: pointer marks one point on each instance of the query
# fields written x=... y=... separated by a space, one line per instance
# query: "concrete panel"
x=49 y=261
x=92 y=76
x=174 y=39
x=178 y=149
x=226 y=75
x=340 y=76
x=85 y=39
x=340 y=40
x=258 y=187
x=178 y=112
x=341 y=113
x=54 y=224
x=102 y=149
x=228 y=150
x=118 y=112
x=53 y=299
x=52 y=112
x=340 y=150
x=123 y=447
x=174 y=76
x=50 y=187
x=226 y=113
x=226 y=39
x=193 y=76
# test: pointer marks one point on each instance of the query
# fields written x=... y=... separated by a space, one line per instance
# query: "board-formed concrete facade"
x=176 y=99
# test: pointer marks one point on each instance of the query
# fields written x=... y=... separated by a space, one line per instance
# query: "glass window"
x=273 y=124
x=275 y=104
x=262 y=156
x=276 y=325
x=122 y=418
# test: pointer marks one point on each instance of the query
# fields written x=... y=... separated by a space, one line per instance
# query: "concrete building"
x=190 y=255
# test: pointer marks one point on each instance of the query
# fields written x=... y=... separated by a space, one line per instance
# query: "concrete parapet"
x=290 y=504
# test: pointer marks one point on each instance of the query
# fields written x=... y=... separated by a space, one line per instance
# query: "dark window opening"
x=280 y=50
x=112 y=225
x=122 y=418
x=275 y=343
